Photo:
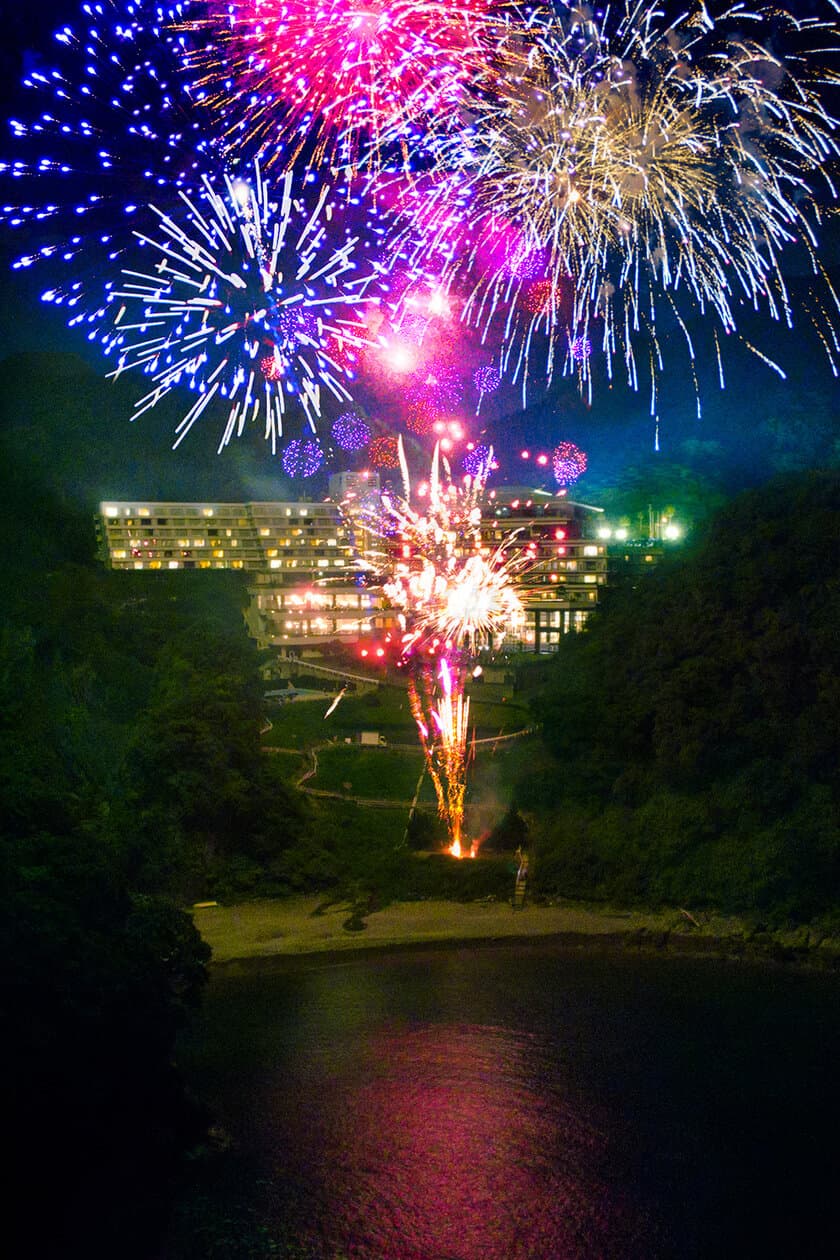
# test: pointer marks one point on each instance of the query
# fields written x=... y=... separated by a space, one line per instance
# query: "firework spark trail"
x=454 y=595
x=655 y=169
x=241 y=300
x=332 y=78
x=441 y=711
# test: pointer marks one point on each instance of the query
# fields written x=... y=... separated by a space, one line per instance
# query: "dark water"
x=522 y=1103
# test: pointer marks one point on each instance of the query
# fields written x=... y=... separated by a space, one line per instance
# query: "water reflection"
x=454 y=1142
x=526 y=1104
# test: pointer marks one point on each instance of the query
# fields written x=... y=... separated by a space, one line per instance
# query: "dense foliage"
x=130 y=771
x=696 y=726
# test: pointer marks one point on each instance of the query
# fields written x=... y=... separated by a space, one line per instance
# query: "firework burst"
x=241 y=298
x=351 y=432
x=103 y=129
x=656 y=170
x=453 y=595
x=334 y=78
x=569 y=463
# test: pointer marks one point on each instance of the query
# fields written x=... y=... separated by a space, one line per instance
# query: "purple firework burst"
x=487 y=379
x=302 y=458
x=569 y=463
x=351 y=432
x=477 y=461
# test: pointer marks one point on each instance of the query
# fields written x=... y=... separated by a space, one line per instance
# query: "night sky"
x=616 y=431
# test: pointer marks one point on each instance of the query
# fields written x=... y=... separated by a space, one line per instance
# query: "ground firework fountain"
x=454 y=596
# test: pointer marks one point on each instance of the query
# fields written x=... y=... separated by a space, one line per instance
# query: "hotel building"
x=559 y=586
x=299 y=559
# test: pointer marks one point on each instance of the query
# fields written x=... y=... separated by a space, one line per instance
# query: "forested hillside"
x=696 y=726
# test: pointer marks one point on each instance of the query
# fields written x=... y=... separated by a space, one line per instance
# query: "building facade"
x=561 y=580
x=300 y=559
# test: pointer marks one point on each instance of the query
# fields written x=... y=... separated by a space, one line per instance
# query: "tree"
x=702 y=719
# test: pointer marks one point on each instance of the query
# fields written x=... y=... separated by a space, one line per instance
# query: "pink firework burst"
x=569 y=463
x=540 y=297
x=443 y=387
x=338 y=77
x=384 y=452
x=421 y=416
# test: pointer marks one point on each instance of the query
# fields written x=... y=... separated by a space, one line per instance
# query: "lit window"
x=138 y=564
x=272 y=551
x=322 y=564
x=237 y=564
x=118 y=555
x=198 y=542
x=112 y=511
x=173 y=564
x=648 y=559
x=276 y=564
x=206 y=511
x=204 y=564
x=590 y=551
x=218 y=553
x=589 y=577
x=264 y=533
x=229 y=533
x=144 y=512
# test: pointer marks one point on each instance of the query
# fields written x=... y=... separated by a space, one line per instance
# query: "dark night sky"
x=615 y=431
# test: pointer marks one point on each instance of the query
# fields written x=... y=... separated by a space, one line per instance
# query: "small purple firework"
x=302 y=458
x=487 y=379
x=350 y=432
x=477 y=462
x=569 y=463
x=580 y=348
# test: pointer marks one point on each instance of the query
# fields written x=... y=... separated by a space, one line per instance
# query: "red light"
x=559 y=533
x=561 y=551
x=364 y=651
x=542 y=459
x=380 y=651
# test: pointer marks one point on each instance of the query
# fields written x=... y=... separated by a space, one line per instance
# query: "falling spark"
x=454 y=595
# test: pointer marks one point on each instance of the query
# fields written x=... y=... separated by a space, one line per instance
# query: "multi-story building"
x=560 y=583
x=300 y=559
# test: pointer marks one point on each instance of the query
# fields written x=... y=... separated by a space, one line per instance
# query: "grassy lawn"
x=379 y=773
x=290 y=765
x=302 y=723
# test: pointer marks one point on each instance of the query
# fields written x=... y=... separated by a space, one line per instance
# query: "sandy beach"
x=307 y=925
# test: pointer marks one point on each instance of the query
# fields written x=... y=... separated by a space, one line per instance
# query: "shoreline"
x=270 y=934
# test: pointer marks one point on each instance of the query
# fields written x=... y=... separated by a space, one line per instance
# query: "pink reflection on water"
x=448 y=1148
